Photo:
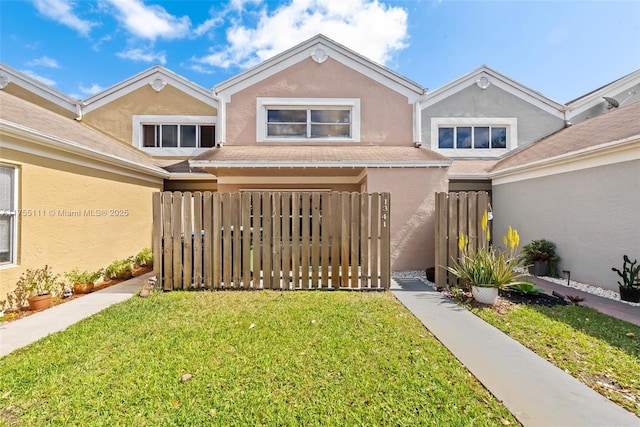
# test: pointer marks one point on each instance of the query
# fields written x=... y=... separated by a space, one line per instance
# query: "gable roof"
x=612 y=130
x=10 y=75
x=594 y=97
x=61 y=138
x=487 y=75
x=320 y=47
x=157 y=77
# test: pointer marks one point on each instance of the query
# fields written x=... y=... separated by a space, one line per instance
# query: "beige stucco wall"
x=386 y=116
x=116 y=118
x=412 y=212
x=53 y=189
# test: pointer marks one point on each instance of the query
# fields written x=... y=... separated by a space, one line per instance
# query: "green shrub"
x=144 y=258
x=77 y=276
x=120 y=269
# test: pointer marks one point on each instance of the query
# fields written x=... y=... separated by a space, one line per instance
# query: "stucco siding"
x=412 y=212
x=115 y=118
x=533 y=123
x=86 y=218
x=386 y=116
x=593 y=216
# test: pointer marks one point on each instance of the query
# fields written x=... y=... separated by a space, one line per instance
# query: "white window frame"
x=510 y=123
x=140 y=120
x=264 y=104
x=13 y=212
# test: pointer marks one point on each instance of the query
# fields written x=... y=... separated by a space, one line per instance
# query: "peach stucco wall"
x=116 y=118
x=412 y=212
x=386 y=116
x=60 y=232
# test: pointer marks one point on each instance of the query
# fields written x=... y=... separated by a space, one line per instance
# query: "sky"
x=562 y=49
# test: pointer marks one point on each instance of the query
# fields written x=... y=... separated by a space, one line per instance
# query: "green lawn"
x=256 y=358
x=601 y=351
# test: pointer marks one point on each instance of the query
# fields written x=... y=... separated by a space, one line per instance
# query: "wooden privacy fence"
x=456 y=213
x=271 y=240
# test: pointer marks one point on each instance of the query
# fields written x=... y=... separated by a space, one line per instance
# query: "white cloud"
x=44 y=61
x=91 y=90
x=40 y=78
x=150 y=22
x=371 y=28
x=62 y=12
x=141 y=55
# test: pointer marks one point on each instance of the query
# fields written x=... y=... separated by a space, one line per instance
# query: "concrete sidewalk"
x=534 y=390
x=22 y=332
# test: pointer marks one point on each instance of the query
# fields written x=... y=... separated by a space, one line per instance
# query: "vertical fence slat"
x=167 y=241
x=227 y=239
x=315 y=240
x=385 y=241
x=216 y=240
x=355 y=239
x=324 y=239
x=197 y=242
x=236 y=236
x=267 y=221
x=208 y=241
x=295 y=240
x=345 y=234
x=256 y=238
x=364 y=240
x=375 y=240
x=336 y=227
x=305 y=218
x=276 y=214
x=177 y=240
x=441 y=239
x=246 y=239
x=452 y=229
x=188 y=237
x=483 y=205
x=286 y=240
x=156 y=200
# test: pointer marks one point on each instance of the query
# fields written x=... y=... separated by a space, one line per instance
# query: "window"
x=472 y=137
x=183 y=136
x=309 y=123
x=8 y=212
x=174 y=135
x=308 y=119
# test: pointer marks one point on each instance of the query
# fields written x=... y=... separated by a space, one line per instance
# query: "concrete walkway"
x=534 y=390
x=17 y=334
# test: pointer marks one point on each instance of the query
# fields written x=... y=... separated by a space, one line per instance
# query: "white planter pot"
x=484 y=295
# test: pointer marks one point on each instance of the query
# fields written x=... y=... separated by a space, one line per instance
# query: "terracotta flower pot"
x=40 y=302
x=82 y=288
x=484 y=295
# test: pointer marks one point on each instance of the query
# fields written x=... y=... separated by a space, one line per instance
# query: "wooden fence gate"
x=456 y=213
x=271 y=240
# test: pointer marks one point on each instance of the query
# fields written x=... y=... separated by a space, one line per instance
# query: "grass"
x=601 y=351
x=256 y=358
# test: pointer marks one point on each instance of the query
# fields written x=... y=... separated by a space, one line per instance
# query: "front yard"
x=255 y=358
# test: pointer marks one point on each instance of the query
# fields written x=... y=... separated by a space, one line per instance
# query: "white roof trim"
x=499 y=80
x=65 y=148
x=318 y=164
x=594 y=98
x=598 y=152
x=9 y=75
x=148 y=77
x=309 y=48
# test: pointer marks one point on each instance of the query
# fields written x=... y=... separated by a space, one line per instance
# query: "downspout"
x=417 y=120
x=222 y=119
x=79 y=111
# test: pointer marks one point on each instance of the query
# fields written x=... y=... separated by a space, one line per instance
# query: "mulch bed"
x=15 y=314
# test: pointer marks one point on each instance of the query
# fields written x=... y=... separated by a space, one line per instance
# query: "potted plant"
x=488 y=268
x=144 y=258
x=82 y=281
x=120 y=269
x=38 y=286
x=630 y=285
x=540 y=257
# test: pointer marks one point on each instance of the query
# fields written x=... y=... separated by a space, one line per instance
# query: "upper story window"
x=190 y=136
x=174 y=135
x=469 y=137
x=308 y=119
x=8 y=214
